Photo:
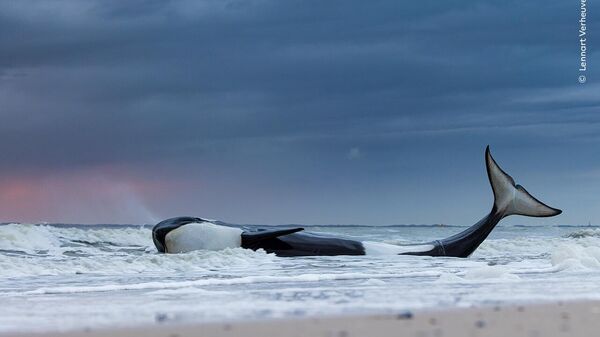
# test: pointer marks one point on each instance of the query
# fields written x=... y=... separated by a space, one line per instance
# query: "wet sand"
x=581 y=318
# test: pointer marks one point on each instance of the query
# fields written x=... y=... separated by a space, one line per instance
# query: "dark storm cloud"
x=286 y=85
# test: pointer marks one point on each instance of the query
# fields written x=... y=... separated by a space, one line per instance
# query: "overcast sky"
x=277 y=112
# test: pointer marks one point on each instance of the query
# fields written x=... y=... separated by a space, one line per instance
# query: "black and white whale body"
x=184 y=234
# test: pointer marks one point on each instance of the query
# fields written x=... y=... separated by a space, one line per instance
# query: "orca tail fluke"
x=510 y=198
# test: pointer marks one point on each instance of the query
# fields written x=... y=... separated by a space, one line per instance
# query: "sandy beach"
x=580 y=318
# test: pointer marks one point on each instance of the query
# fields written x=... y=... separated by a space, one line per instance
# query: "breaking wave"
x=31 y=250
x=584 y=233
x=28 y=250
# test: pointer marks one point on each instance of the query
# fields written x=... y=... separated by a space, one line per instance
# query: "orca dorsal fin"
x=250 y=239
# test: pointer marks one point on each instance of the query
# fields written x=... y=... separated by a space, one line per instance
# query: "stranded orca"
x=185 y=234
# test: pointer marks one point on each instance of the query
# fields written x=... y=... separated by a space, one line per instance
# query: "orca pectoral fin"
x=251 y=239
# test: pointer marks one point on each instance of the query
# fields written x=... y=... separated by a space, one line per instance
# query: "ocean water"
x=63 y=277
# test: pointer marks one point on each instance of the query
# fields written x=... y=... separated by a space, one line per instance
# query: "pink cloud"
x=100 y=195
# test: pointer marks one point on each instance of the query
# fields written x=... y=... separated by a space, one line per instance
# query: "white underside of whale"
x=202 y=236
x=380 y=248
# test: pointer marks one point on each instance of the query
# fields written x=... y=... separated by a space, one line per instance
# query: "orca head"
x=180 y=235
